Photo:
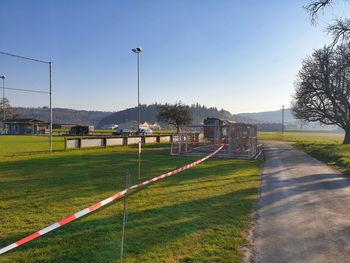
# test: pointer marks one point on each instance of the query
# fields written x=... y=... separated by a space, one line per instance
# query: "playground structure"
x=239 y=140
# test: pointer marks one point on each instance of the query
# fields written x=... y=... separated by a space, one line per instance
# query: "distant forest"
x=149 y=113
x=99 y=118
x=268 y=120
x=64 y=116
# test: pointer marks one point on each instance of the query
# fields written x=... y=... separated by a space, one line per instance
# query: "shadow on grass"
x=152 y=230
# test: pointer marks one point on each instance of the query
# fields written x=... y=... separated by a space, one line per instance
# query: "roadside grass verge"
x=195 y=216
x=337 y=155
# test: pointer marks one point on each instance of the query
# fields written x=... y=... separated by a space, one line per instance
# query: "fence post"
x=125 y=214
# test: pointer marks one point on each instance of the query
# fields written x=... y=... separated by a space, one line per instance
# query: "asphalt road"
x=304 y=210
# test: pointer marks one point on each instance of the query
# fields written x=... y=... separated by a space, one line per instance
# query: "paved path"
x=304 y=213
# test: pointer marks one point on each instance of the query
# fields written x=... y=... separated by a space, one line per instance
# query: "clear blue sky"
x=242 y=56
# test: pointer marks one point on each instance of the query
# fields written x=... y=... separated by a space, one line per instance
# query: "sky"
x=242 y=56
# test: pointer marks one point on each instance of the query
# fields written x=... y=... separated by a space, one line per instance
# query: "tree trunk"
x=347 y=137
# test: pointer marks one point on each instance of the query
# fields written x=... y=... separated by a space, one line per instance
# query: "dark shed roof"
x=25 y=121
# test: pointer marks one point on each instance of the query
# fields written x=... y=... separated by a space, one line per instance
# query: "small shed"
x=211 y=125
x=62 y=126
x=26 y=126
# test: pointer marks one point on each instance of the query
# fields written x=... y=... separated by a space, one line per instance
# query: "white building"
x=155 y=126
x=133 y=125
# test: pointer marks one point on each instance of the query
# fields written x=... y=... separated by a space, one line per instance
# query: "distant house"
x=26 y=126
x=109 y=127
x=155 y=126
x=133 y=125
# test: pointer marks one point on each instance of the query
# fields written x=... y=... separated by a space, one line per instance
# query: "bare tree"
x=340 y=29
x=322 y=91
x=176 y=114
x=4 y=103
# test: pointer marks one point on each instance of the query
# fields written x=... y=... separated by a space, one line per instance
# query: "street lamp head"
x=137 y=50
x=3 y=77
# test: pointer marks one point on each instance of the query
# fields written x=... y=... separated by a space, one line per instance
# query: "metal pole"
x=139 y=170
x=3 y=99
x=138 y=88
x=125 y=215
x=50 y=63
x=282 y=119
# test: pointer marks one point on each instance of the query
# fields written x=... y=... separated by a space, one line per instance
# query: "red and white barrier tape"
x=177 y=170
x=98 y=205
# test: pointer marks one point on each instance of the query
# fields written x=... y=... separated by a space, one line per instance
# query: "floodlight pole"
x=138 y=51
x=138 y=87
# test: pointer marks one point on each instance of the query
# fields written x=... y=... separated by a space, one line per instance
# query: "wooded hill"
x=99 y=118
x=149 y=113
x=61 y=115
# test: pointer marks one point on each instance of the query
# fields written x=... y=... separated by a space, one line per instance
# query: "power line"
x=17 y=56
x=50 y=66
x=27 y=90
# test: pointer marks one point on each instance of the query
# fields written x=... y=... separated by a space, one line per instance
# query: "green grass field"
x=196 y=216
x=317 y=137
x=325 y=147
x=14 y=144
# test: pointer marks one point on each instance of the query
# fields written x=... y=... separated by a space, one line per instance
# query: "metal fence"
x=239 y=140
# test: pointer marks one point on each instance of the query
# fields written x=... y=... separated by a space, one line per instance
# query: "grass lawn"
x=317 y=137
x=14 y=144
x=337 y=155
x=196 y=216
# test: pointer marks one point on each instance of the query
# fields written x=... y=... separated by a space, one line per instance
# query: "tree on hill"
x=322 y=91
x=9 y=112
x=176 y=114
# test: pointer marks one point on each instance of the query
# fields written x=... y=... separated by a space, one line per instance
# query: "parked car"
x=82 y=130
x=144 y=132
x=124 y=132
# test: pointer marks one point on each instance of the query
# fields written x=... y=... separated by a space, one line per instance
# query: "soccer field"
x=15 y=144
x=195 y=216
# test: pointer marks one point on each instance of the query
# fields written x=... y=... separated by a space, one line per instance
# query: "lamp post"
x=138 y=51
x=3 y=98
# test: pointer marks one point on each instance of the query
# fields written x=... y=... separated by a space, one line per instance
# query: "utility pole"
x=282 y=119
